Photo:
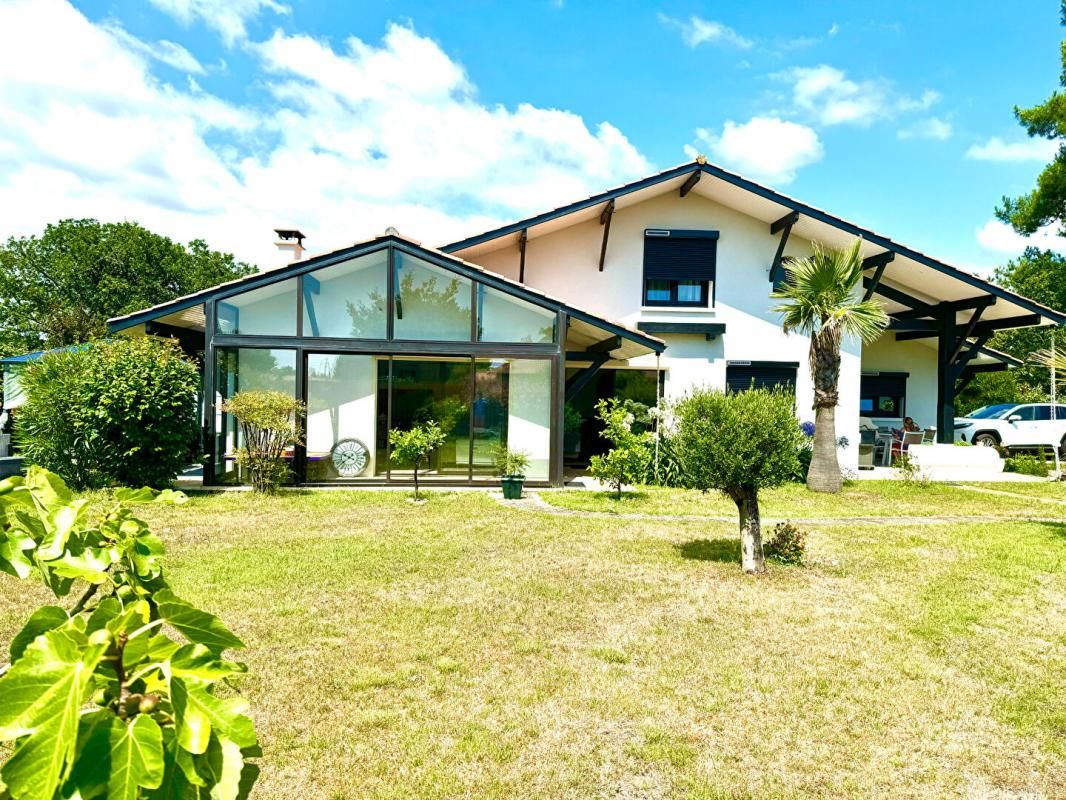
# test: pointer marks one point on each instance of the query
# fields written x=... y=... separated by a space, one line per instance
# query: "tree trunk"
x=417 y=462
x=824 y=472
x=751 y=558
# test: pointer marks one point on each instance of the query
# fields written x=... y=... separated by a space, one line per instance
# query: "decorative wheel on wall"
x=349 y=457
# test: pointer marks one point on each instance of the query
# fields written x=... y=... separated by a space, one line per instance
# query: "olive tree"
x=738 y=444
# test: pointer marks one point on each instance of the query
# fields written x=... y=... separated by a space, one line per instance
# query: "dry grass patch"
x=463 y=649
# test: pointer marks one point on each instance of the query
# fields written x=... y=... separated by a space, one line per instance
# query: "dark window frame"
x=686 y=271
x=673 y=302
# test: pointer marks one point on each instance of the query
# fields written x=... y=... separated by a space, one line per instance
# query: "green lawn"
x=462 y=649
x=859 y=499
x=1048 y=490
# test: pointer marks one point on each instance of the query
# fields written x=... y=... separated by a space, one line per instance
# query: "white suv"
x=1014 y=425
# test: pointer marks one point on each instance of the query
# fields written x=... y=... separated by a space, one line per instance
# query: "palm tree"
x=822 y=302
x=1052 y=358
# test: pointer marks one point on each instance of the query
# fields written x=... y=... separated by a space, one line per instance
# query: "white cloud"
x=696 y=31
x=764 y=148
x=227 y=17
x=995 y=149
x=164 y=51
x=999 y=237
x=347 y=142
x=928 y=128
x=834 y=29
x=826 y=95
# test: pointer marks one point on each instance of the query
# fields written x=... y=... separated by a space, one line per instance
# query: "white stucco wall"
x=918 y=361
x=565 y=264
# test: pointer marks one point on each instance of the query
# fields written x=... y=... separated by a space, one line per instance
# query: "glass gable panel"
x=432 y=304
x=267 y=311
x=503 y=318
x=512 y=407
x=347 y=299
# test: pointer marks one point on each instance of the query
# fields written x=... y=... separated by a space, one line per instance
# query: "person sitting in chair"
x=910 y=426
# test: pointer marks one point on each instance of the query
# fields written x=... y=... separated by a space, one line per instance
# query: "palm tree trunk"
x=751 y=557
x=824 y=472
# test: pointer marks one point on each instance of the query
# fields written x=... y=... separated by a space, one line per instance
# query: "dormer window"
x=679 y=267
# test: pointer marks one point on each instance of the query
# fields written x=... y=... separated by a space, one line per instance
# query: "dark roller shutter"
x=884 y=385
x=741 y=377
x=676 y=255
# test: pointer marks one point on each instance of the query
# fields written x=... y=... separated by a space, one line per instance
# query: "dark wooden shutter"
x=741 y=377
x=680 y=255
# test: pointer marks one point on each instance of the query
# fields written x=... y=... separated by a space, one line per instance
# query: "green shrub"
x=114 y=694
x=509 y=462
x=416 y=445
x=631 y=453
x=1026 y=464
x=738 y=443
x=119 y=412
x=787 y=544
x=269 y=423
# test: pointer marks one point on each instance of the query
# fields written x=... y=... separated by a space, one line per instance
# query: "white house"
x=511 y=336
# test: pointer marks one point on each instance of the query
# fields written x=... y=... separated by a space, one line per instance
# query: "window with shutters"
x=883 y=395
x=679 y=267
x=743 y=375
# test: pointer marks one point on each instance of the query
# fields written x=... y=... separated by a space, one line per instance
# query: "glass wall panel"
x=512 y=406
x=437 y=389
x=503 y=318
x=267 y=311
x=348 y=299
x=342 y=417
x=240 y=369
x=431 y=304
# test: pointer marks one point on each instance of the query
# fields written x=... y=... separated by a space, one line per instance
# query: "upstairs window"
x=679 y=267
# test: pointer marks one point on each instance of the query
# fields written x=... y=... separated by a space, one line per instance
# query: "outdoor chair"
x=909 y=438
x=929 y=436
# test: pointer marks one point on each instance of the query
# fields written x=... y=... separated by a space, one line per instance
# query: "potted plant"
x=511 y=466
x=572 y=421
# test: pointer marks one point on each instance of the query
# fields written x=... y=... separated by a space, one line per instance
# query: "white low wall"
x=949 y=462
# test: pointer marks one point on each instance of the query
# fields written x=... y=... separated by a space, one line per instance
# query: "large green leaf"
x=59 y=524
x=40 y=698
x=44 y=619
x=197 y=661
x=199 y=626
x=226 y=762
x=88 y=563
x=92 y=765
x=48 y=490
x=198 y=712
x=14 y=545
x=179 y=774
x=136 y=757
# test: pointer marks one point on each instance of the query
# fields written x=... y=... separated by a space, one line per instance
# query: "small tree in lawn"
x=416 y=445
x=738 y=444
x=269 y=424
x=628 y=459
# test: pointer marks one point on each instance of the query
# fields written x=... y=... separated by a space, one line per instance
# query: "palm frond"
x=1049 y=358
x=820 y=292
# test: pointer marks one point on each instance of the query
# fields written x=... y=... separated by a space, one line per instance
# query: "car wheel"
x=986 y=440
x=1062 y=449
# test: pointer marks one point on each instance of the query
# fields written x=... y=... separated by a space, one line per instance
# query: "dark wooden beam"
x=967 y=332
x=906 y=336
x=962 y=360
x=981 y=301
x=606 y=346
x=945 y=379
x=777 y=268
x=895 y=324
x=690 y=181
x=605 y=221
x=1023 y=321
x=786 y=221
x=710 y=330
x=881 y=262
x=901 y=297
x=522 y=237
x=583 y=377
x=915 y=313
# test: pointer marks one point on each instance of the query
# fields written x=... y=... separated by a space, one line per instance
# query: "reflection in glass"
x=431 y=304
x=342 y=416
x=267 y=311
x=502 y=318
x=239 y=370
x=426 y=389
x=512 y=406
x=347 y=300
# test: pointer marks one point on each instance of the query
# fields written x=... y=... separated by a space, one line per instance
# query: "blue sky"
x=223 y=118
